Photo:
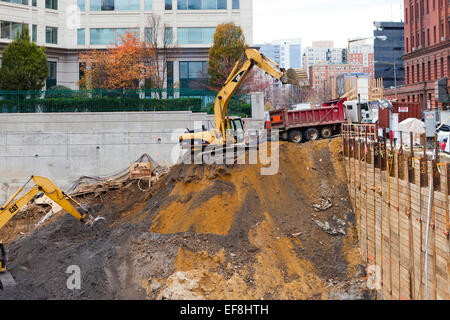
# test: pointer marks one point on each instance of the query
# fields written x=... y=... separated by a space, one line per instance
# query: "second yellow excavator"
x=227 y=128
x=13 y=206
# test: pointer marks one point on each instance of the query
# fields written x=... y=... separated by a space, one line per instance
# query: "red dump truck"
x=311 y=124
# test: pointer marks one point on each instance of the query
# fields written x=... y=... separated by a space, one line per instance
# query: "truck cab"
x=361 y=112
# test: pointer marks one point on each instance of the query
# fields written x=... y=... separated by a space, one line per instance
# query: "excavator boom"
x=13 y=206
x=251 y=57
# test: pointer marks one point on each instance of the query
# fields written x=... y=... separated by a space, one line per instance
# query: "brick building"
x=362 y=54
x=427 y=50
x=320 y=74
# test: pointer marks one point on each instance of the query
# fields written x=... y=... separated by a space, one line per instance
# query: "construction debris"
x=200 y=232
x=324 y=205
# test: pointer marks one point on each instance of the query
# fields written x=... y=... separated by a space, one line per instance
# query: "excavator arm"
x=196 y=141
x=47 y=187
x=252 y=57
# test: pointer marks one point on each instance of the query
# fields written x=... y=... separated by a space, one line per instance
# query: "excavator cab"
x=236 y=129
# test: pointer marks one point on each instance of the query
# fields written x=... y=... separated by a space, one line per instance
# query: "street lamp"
x=395 y=75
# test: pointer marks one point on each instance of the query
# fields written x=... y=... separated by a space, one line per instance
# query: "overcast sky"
x=310 y=20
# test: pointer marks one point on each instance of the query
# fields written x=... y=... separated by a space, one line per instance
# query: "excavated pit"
x=204 y=232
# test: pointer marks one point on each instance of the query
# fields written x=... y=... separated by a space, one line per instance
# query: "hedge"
x=98 y=104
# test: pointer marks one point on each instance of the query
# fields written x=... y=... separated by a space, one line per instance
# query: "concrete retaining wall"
x=65 y=146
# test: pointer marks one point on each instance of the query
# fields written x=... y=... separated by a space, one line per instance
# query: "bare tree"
x=160 y=39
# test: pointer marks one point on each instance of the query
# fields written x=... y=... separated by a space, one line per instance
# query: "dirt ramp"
x=209 y=232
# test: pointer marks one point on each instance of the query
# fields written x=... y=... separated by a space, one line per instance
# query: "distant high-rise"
x=286 y=52
x=389 y=52
x=322 y=51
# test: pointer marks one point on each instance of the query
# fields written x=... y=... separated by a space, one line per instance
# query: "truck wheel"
x=312 y=134
x=326 y=132
x=295 y=136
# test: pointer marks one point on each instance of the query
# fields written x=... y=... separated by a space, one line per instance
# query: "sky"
x=311 y=20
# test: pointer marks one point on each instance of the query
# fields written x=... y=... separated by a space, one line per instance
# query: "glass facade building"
x=389 y=52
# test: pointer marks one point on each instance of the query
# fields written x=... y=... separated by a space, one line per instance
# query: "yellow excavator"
x=13 y=206
x=226 y=128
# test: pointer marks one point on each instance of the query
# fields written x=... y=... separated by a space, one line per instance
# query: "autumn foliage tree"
x=229 y=45
x=124 y=66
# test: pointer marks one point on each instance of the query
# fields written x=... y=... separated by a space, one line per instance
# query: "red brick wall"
x=427 y=49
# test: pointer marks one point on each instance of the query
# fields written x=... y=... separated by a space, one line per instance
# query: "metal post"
x=395 y=82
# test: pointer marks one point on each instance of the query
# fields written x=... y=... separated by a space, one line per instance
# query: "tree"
x=124 y=66
x=24 y=64
x=160 y=41
x=229 y=45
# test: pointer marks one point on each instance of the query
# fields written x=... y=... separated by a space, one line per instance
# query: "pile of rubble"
x=204 y=232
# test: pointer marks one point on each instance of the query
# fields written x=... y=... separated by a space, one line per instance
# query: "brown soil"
x=206 y=232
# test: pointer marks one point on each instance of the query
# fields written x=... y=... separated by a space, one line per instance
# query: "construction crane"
x=225 y=129
x=13 y=206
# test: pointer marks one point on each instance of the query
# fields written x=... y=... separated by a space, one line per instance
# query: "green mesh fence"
x=118 y=101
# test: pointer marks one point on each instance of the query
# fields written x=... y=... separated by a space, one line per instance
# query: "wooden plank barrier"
x=389 y=188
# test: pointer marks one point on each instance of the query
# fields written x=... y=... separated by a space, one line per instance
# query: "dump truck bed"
x=284 y=120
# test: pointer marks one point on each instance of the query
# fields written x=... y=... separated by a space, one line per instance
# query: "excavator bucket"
x=6 y=279
x=297 y=77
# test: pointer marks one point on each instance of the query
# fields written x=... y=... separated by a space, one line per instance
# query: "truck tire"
x=295 y=136
x=326 y=132
x=312 y=134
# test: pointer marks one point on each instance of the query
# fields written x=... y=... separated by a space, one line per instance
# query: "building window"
x=51 y=4
x=104 y=36
x=51 y=79
x=442 y=67
x=196 y=35
x=168 y=4
x=10 y=30
x=407 y=75
x=423 y=72
x=148 y=5
x=126 y=5
x=170 y=78
x=148 y=35
x=51 y=35
x=236 y=5
x=81 y=5
x=81 y=37
x=111 y=5
x=435 y=69
x=34 y=33
x=406 y=15
x=201 y=4
x=193 y=74
x=25 y=2
x=418 y=72
x=34 y=3
x=168 y=36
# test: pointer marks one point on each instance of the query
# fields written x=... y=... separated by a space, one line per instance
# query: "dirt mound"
x=207 y=232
